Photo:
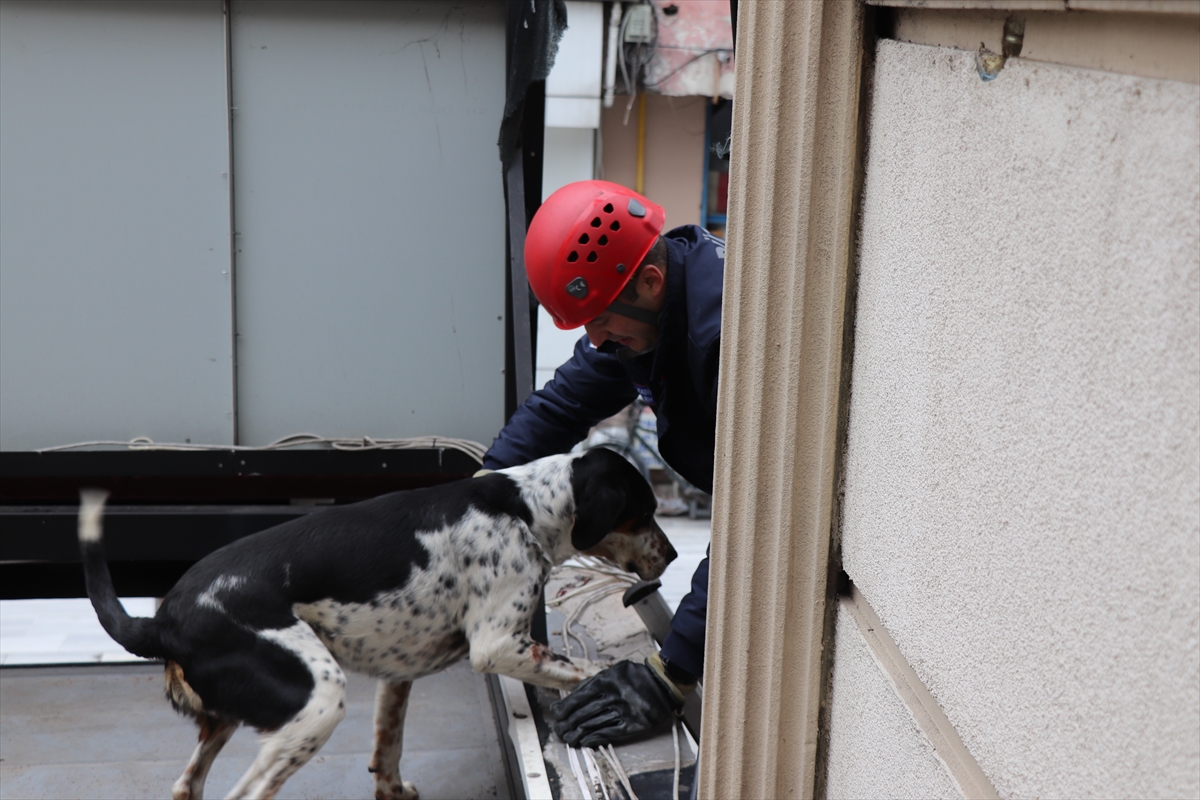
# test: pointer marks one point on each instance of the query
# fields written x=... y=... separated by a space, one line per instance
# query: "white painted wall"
x=569 y=153
x=573 y=85
x=1022 y=500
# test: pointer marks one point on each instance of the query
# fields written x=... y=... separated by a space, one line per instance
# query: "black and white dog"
x=397 y=587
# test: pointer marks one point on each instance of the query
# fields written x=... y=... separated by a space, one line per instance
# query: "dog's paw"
x=589 y=668
x=395 y=790
x=183 y=789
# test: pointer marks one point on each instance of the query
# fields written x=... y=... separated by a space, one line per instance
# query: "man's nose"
x=597 y=336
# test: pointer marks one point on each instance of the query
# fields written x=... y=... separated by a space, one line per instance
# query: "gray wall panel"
x=370 y=214
x=114 y=223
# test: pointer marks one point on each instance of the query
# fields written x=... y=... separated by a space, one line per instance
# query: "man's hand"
x=621 y=703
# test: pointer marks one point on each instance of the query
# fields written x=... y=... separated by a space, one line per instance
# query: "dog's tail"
x=138 y=635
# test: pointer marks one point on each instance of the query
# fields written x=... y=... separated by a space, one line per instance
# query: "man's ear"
x=596 y=516
x=652 y=281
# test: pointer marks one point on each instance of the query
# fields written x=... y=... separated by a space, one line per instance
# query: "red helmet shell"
x=583 y=246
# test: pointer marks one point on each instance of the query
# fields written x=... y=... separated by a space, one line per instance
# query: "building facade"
x=956 y=541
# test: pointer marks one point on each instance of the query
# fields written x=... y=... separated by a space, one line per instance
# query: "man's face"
x=610 y=327
x=638 y=336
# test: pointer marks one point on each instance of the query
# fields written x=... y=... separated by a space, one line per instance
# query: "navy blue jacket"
x=678 y=380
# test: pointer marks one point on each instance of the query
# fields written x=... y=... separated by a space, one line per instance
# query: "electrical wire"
x=641 y=57
x=472 y=448
x=691 y=60
x=695 y=49
x=611 y=580
x=573 y=757
x=589 y=759
x=610 y=755
x=675 y=741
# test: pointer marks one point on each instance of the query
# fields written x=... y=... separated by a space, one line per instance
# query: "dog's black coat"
x=398 y=586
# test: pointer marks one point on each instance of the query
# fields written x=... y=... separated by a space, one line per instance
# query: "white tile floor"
x=67 y=631
x=690 y=538
x=61 y=632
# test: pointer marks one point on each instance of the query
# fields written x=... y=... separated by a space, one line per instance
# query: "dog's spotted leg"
x=214 y=733
x=520 y=657
x=391 y=703
x=289 y=747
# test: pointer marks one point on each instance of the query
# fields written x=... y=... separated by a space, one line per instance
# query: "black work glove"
x=621 y=703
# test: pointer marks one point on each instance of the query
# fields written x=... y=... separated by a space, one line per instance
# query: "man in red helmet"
x=650 y=303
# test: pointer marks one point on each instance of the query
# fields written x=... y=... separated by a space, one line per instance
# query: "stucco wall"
x=875 y=746
x=1022 y=501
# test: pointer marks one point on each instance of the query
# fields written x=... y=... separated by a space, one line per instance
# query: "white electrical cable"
x=474 y=449
x=675 y=740
x=588 y=599
x=611 y=582
x=611 y=755
x=587 y=589
x=589 y=760
x=574 y=759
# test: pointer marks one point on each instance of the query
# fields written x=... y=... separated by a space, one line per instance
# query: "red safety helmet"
x=584 y=245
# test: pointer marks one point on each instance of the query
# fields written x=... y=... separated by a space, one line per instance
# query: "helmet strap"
x=633 y=312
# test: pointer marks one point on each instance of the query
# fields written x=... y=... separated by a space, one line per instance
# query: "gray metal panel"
x=114 y=223
x=370 y=264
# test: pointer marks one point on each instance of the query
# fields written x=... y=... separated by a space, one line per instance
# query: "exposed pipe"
x=640 y=181
x=610 y=64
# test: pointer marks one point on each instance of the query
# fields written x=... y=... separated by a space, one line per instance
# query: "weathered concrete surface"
x=107 y=732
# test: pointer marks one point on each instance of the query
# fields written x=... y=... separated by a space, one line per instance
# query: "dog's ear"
x=597 y=512
x=600 y=485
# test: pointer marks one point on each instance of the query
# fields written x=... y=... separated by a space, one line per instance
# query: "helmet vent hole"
x=591 y=256
x=608 y=209
x=603 y=240
x=573 y=256
x=583 y=239
x=616 y=226
x=596 y=222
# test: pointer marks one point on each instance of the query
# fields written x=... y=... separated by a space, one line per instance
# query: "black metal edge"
x=659 y=783
x=512 y=763
x=523 y=188
x=91 y=669
x=162 y=463
x=23 y=581
x=137 y=533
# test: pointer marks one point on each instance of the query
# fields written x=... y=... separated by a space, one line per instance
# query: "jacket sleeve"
x=706 y=375
x=592 y=386
x=684 y=645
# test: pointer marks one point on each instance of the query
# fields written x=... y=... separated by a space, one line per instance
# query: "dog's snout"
x=663 y=544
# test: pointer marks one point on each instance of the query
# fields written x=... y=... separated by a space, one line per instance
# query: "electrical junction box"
x=639 y=24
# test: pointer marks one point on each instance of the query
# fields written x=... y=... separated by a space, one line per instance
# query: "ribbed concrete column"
x=790 y=220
